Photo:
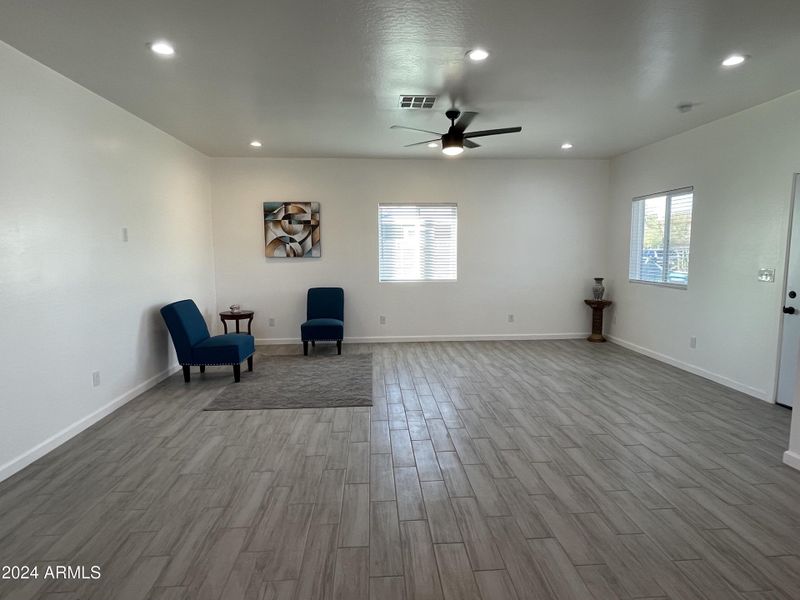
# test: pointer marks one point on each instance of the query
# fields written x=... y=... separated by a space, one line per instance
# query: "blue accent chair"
x=325 y=314
x=195 y=347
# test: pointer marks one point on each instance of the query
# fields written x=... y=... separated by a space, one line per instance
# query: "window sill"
x=419 y=281
x=677 y=286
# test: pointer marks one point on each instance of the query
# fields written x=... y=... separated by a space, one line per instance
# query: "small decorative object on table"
x=597 y=319
x=598 y=289
x=235 y=308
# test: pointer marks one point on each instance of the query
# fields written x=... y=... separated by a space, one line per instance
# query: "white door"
x=790 y=341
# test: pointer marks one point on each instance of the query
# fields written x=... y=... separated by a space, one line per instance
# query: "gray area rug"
x=300 y=382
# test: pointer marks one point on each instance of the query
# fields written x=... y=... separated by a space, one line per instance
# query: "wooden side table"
x=598 y=306
x=237 y=316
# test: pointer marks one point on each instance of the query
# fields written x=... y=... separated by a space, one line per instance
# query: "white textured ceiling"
x=322 y=78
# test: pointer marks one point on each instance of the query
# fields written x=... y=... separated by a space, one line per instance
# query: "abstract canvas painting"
x=291 y=229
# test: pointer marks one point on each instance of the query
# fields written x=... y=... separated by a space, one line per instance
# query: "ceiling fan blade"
x=414 y=129
x=471 y=144
x=420 y=143
x=464 y=120
x=486 y=132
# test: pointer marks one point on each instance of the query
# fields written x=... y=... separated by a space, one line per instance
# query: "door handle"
x=788 y=310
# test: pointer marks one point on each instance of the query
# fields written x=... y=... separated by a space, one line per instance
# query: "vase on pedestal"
x=598 y=289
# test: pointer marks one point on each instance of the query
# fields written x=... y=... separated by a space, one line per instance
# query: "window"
x=417 y=242
x=661 y=227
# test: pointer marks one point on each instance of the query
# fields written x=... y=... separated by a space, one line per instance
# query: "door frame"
x=787 y=252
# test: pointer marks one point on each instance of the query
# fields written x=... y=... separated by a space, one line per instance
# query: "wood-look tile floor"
x=491 y=471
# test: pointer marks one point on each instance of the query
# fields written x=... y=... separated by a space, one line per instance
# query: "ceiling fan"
x=456 y=139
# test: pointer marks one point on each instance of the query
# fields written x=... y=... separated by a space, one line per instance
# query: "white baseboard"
x=791 y=459
x=39 y=450
x=715 y=377
x=437 y=338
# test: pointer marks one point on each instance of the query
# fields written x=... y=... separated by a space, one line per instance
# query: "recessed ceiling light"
x=255 y=144
x=452 y=150
x=162 y=48
x=734 y=60
x=566 y=146
x=477 y=54
x=433 y=145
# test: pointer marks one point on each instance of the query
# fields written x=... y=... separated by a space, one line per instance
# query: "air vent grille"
x=410 y=101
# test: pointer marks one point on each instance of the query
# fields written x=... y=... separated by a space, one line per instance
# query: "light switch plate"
x=766 y=275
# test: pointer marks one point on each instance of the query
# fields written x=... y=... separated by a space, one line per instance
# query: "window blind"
x=661 y=226
x=417 y=242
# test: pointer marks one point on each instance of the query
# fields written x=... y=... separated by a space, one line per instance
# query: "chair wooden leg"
x=249 y=363
x=237 y=373
x=202 y=368
x=338 y=346
x=305 y=348
x=186 y=374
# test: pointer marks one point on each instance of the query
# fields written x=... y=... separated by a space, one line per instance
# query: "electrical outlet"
x=95 y=378
x=382 y=320
x=510 y=318
x=124 y=234
x=271 y=322
x=692 y=342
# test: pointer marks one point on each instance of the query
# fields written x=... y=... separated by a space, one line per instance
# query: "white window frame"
x=417 y=204
x=667 y=215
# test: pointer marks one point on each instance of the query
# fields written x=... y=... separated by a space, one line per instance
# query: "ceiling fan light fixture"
x=566 y=146
x=478 y=54
x=457 y=137
x=255 y=144
x=452 y=145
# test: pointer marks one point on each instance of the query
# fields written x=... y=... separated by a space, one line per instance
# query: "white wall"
x=742 y=170
x=531 y=236
x=74 y=170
